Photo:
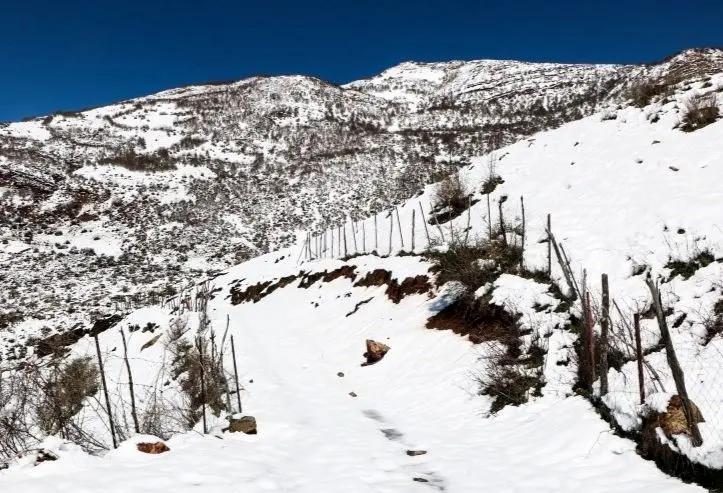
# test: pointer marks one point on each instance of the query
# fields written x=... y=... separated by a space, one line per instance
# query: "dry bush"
x=700 y=111
x=643 y=91
x=191 y=360
x=475 y=262
x=508 y=382
x=64 y=391
x=452 y=192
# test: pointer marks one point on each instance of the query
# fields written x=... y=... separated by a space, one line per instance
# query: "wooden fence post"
x=604 y=327
x=199 y=344
x=134 y=415
x=235 y=374
x=676 y=370
x=353 y=234
x=549 y=246
x=105 y=392
x=424 y=222
x=376 y=236
x=639 y=355
x=399 y=225
x=391 y=230
x=346 y=253
x=364 y=237
x=413 y=217
x=522 y=248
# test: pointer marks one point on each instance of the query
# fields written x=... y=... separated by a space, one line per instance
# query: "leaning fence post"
x=604 y=327
x=424 y=222
x=549 y=246
x=376 y=236
x=105 y=391
x=639 y=355
x=399 y=225
x=134 y=414
x=235 y=373
x=676 y=370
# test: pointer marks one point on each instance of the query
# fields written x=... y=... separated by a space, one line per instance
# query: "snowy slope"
x=315 y=436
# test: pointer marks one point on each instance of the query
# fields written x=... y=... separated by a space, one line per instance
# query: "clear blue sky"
x=69 y=54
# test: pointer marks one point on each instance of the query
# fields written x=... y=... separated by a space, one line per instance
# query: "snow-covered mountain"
x=479 y=387
x=130 y=201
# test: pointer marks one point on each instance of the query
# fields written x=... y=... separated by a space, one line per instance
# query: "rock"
x=353 y=394
x=38 y=455
x=413 y=453
x=673 y=421
x=245 y=424
x=340 y=374
x=152 y=448
x=420 y=480
x=375 y=352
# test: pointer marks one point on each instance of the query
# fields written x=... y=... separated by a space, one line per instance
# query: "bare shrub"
x=700 y=111
x=64 y=390
x=508 y=382
x=452 y=192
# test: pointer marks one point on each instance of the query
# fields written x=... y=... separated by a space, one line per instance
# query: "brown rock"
x=375 y=352
x=245 y=424
x=152 y=448
x=673 y=421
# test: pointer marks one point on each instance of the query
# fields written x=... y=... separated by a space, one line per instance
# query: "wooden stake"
x=424 y=222
x=346 y=253
x=376 y=237
x=105 y=392
x=353 y=234
x=604 y=327
x=399 y=225
x=413 y=216
x=489 y=218
x=469 y=220
x=549 y=246
x=235 y=374
x=639 y=356
x=134 y=415
x=203 y=382
x=391 y=230
x=522 y=248
x=364 y=237
x=676 y=370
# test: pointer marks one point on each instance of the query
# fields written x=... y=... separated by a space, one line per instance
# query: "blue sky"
x=72 y=54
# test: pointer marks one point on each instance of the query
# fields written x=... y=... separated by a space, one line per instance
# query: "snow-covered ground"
x=315 y=436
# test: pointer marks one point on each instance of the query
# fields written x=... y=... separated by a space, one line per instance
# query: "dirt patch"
x=58 y=344
x=395 y=291
x=253 y=293
x=411 y=285
x=376 y=277
x=480 y=320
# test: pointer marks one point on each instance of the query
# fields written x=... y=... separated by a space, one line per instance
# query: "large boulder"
x=375 y=352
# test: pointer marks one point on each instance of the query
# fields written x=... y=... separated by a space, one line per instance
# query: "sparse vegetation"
x=700 y=111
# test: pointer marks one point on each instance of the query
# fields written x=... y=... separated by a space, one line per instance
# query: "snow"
x=314 y=436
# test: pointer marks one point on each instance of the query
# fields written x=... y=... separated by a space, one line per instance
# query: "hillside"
x=122 y=205
x=482 y=371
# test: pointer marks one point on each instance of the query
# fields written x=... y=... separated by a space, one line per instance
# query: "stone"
x=414 y=453
x=244 y=424
x=353 y=394
x=152 y=448
x=375 y=352
x=340 y=374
